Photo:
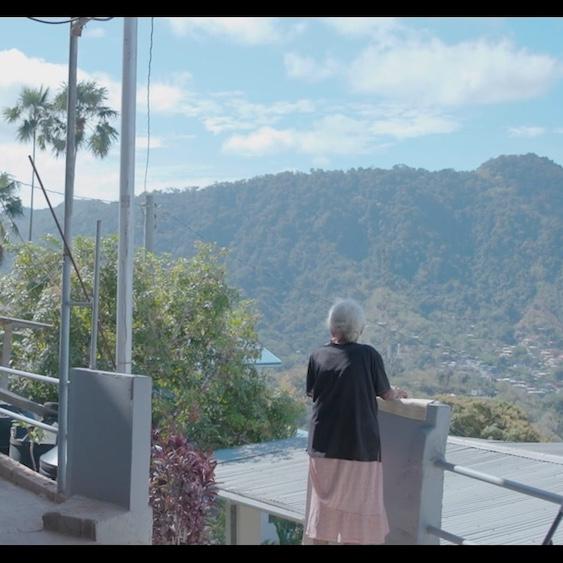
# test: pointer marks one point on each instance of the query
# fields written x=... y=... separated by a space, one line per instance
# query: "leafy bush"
x=192 y=334
x=490 y=419
x=182 y=490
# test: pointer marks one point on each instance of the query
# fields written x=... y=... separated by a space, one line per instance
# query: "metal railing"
x=9 y=324
x=27 y=404
x=505 y=484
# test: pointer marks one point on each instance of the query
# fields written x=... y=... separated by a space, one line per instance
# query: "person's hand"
x=400 y=393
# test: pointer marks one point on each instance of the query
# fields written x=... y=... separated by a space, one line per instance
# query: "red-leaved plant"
x=182 y=490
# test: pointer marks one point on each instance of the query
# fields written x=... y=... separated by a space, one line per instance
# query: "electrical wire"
x=149 y=107
x=53 y=23
x=68 y=21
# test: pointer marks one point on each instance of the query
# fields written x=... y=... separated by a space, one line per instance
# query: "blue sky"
x=233 y=98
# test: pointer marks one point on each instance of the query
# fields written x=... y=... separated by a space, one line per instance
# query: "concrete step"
x=32 y=511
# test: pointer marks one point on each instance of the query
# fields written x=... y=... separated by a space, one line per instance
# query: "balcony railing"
x=505 y=484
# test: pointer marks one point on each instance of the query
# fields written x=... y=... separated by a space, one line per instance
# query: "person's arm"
x=310 y=382
x=383 y=387
x=394 y=393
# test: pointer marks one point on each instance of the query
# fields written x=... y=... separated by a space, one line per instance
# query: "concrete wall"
x=413 y=434
x=109 y=442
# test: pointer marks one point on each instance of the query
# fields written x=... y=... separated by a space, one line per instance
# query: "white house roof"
x=272 y=476
x=267 y=359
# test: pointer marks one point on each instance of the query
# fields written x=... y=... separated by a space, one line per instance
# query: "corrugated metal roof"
x=273 y=476
x=267 y=358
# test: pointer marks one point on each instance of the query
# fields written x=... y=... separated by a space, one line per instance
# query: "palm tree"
x=93 y=126
x=10 y=207
x=31 y=112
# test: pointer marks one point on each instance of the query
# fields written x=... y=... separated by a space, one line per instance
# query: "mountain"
x=433 y=255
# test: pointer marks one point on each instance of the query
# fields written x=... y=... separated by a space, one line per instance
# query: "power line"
x=149 y=107
x=67 y=21
x=53 y=23
x=62 y=193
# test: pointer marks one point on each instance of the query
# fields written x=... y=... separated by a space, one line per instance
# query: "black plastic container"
x=24 y=450
x=6 y=424
x=48 y=463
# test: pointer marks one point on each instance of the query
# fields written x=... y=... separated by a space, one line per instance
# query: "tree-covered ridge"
x=475 y=248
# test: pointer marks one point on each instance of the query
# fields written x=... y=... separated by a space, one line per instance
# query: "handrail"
x=448 y=536
x=34 y=376
x=26 y=404
x=23 y=323
x=499 y=482
x=31 y=421
x=505 y=484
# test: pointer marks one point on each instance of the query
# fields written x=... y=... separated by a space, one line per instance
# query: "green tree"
x=93 y=120
x=10 y=207
x=489 y=419
x=192 y=334
x=32 y=113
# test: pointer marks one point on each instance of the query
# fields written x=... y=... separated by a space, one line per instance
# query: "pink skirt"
x=345 y=502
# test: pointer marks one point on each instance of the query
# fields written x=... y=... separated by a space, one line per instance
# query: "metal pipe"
x=149 y=223
x=6 y=353
x=95 y=299
x=553 y=528
x=448 y=536
x=500 y=482
x=28 y=375
x=26 y=404
x=22 y=323
x=32 y=186
x=124 y=328
x=31 y=421
x=64 y=341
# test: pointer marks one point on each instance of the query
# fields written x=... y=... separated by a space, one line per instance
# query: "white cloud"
x=526 y=131
x=265 y=140
x=470 y=72
x=94 y=33
x=237 y=113
x=19 y=70
x=222 y=123
x=380 y=29
x=156 y=143
x=333 y=135
x=250 y=31
x=341 y=134
x=413 y=124
x=308 y=69
x=94 y=178
x=336 y=134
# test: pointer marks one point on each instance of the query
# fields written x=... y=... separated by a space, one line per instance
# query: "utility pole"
x=64 y=340
x=124 y=329
x=150 y=214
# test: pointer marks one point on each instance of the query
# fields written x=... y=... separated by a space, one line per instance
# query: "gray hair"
x=346 y=319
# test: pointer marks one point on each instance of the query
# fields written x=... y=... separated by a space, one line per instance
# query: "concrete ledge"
x=101 y=522
x=28 y=479
x=408 y=408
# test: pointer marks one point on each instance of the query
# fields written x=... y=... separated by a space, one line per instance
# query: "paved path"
x=21 y=522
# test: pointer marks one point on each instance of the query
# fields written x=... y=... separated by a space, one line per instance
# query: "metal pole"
x=32 y=190
x=95 y=299
x=124 y=329
x=64 y=341
x=553 y=528
x=6 y=353
x=149 y=223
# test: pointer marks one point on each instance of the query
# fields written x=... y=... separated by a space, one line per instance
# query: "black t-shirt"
x=343 y=381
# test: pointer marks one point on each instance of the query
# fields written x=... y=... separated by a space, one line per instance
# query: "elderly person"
x=345 y=483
